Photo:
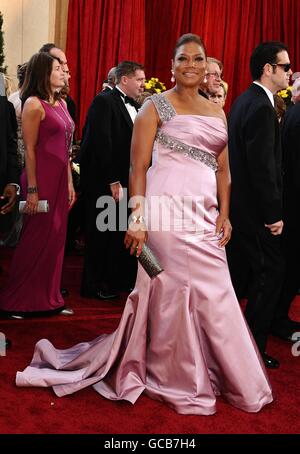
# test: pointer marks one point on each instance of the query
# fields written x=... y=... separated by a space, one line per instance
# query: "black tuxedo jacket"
x=291 y=164
x=255 y=161
x=9 y=170
x=105 y=150
x=106 y=90
x=71 y=106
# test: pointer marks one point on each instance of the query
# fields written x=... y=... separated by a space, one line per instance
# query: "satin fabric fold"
x=182 y=338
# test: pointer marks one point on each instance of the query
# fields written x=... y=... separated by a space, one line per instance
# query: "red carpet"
x=39 y=411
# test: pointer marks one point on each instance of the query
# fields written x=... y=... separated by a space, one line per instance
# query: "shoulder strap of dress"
x=164 y=108
x=62 y=105
x=42 y=101
x=45 y=105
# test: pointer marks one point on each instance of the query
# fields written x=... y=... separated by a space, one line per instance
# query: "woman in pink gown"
x=182 y=338
x=35 y=275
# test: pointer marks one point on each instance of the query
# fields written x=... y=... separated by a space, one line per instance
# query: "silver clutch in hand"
x=43 y=206
x=149 y=262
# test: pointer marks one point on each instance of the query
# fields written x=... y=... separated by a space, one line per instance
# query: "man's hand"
x=72 y=194
x=276 y=228
x=116 y=191
x=10 y=191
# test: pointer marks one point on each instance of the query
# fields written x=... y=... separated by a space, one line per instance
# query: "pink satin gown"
x=182 y=338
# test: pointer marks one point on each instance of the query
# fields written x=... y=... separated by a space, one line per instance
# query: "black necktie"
x=128 y=100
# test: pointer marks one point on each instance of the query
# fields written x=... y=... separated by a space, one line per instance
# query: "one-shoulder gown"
x=182 y=338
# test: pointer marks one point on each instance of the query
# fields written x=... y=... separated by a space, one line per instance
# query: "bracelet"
x=32 y=190
x=138 y=219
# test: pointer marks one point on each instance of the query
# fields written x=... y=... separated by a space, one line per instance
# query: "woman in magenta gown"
x=35 y=274
x=182 y=338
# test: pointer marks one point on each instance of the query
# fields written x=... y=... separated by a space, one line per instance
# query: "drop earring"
x=205 y=79
x=173 y=77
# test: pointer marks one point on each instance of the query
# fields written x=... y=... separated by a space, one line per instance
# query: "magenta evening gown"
x=182 y=338
x=35 y=273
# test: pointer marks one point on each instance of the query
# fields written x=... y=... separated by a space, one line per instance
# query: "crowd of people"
x=196 y=201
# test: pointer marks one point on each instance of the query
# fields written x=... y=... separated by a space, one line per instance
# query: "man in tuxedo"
x=9 y=169
x=105 y=158
x=256 y=197
x=282 y=326
x=110 y=82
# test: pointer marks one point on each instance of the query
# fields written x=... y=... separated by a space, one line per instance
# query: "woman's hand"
x=135 y=238
x=72 y=193
x=31 y=206
x=116 y=191
x=223 y=227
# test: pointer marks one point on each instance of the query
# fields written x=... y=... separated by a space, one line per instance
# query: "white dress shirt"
x=131 y=110
x=269 y=93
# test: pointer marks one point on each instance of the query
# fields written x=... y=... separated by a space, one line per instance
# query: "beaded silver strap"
x=189 y=151
x=164 y=108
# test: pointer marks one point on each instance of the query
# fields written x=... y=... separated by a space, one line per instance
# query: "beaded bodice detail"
x=201 y=132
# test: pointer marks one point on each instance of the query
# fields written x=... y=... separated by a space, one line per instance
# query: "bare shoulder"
x=168 y=92
x=33 y=102
x=33 y=106
x=213 y=110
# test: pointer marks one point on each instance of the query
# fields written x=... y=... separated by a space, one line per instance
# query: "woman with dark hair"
x=182 y=338
x=34 y=284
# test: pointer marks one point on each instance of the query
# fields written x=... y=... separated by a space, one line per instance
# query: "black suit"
x=9 y=170
x=71 y=106
x=105 y=158
x=202 y=93
x=256 y=200
x=106 y=90
x=291 y=191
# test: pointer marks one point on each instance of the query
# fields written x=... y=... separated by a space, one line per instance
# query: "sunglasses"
x=285 y=66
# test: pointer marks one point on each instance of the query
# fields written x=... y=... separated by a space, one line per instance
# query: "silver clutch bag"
x=149 y=262
x=43 y=206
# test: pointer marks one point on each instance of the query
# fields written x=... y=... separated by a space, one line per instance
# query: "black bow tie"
x=128 y=100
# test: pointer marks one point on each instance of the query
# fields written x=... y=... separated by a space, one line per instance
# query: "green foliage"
x=2 y=58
